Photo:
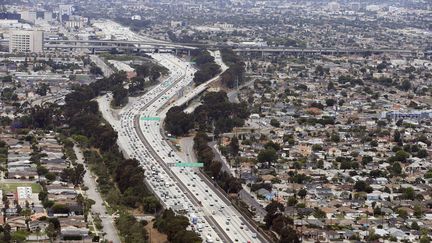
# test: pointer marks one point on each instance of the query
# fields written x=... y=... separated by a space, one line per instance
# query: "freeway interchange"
x=185 y=190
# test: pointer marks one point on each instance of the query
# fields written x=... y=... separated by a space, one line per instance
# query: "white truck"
x=209 y=239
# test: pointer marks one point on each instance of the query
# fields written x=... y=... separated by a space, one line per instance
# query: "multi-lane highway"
x=182 y=189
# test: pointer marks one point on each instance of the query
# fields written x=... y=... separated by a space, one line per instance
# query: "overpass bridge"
x=95 y=45
x=152 y=46
x=327 y=51
x=163 y=45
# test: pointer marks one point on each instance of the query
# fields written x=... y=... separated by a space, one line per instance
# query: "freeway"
x=202 y=87
x=182 y=189
x=213 y=201
x=159 y=177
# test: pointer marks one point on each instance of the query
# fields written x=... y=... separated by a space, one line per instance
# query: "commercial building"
x=26 y=41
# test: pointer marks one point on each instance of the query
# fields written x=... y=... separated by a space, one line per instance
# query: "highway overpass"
x=327 y=51
x=152 y=46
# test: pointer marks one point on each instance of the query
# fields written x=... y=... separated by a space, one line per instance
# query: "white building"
x=26 y=41
x=334 y=6
x=65 y=9
x=24 y=193
x=29 y=16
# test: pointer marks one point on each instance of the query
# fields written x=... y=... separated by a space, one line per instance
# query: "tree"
x=367 y=159
x=267 y=155
x=8 y=94
x=174 y=226
x=41 y=170
x=319 y=214
x=415 y=226
x=273 y=209
x=319 y=70
x=406 y=85
x=425 y=239
x=335 y=138
x=330 y=102
x=137 y=84
x=95 y=70
x=361 y=186
x=418 y=211
x=402 y=213
x=82 y=140
x=50 y=176
x=177 y=122
x=317 y=105
x=214 y=168
x=374 y=143
x=397 y=136
x=186 y=236
x=43 y=89
x=292 y=201
x=234 y=146
x=74 y=175
x=7 y=233
x=289 y=235
x=302 y=193
x=317 y=147
x=331 y=86
x=396 y=168
x=60 y=208
x=51 y=232
x=151 y=204
x=7 y=79
x=401 y=156
x=120 y=96
x=422 y=153
x=281 y=222
x=272 y=145
x=274 y=122
x=409 y=194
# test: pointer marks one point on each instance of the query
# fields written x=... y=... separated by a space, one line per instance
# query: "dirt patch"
x=154 y=235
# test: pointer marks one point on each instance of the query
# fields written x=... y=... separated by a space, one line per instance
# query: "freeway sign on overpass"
x=186 y=164
x=146 y=118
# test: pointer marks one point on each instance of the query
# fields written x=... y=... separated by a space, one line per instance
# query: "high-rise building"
x=65 y=11
x=26 y=41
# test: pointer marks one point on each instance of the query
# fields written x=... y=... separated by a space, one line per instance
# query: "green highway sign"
x=189 y=164
x=150 y=119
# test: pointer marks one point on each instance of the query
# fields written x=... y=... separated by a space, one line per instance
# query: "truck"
x=200 y=227
x=209 y=239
